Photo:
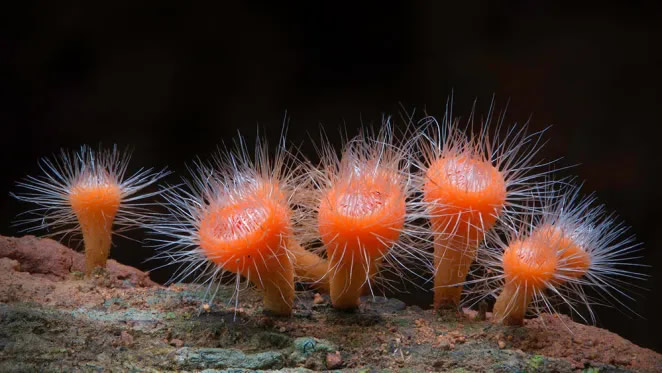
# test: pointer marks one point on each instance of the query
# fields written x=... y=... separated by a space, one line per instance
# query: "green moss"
x=265 y=340
x=402 y=322
x=115 y=300
x=228 y=358
x=536 y=363
x=75 y=275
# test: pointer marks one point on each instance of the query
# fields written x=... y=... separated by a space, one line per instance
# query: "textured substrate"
x=53 y=319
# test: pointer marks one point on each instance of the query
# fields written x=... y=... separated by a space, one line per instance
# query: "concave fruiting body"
x=238 y=234
x=87 y=192
x=528 y=267
x=359 y=219
x=246 y=237
x=555 y=256
x=363 y=213
x=235 y=216
x=364 y=217
x=465 y=195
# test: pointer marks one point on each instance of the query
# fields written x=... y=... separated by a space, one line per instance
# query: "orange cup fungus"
x=528 y=267
x=247 y=237
x=87 y=192
x=359 y=218
x=470 y=182
x=236 y=217
x=361 y=214
x=567 y=247
x=466 y=196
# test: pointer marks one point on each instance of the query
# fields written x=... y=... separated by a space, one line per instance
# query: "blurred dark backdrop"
x=174 y=81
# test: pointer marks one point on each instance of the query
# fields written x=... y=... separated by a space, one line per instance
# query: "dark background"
x=174 y=81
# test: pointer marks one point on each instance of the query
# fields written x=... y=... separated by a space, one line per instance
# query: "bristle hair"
x=86 y=167
x=230 y=177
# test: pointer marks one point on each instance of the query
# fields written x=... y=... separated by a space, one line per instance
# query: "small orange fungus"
x=465 y=196
x=95 y=207
x=528 y=267
x=248 y=237
x=359 y=219
x=86 y=191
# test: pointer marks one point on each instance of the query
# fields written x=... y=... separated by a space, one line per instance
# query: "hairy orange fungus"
x=247 y=237
x=466 y=196
x=574 y=261
x=528 y=267
x=359 y=219
x=86 y=192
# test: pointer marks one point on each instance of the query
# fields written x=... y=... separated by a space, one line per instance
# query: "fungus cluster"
x=571 y=245
x=440 y=198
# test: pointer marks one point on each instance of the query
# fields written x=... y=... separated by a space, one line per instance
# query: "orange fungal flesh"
x=531 y=262
x=276 y=280
x=362 y=216
x=467 y=195
x=574 y=261
x=247 y=238
x=510 y=306
x=528 y=266
x=452 y=266
x=359 y=219
x=310 y=267
x=95 y=207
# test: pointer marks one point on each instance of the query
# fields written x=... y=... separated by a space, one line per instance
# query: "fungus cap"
x=95 y=204
x=574 y=261
x=245 y=232
x=363 y=213
x=464 y=192
x=529 y=262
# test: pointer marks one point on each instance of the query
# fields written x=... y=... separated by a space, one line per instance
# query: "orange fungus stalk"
x=309 y=267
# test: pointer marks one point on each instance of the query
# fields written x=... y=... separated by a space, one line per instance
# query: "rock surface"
x=54 y=261
x=53 y=319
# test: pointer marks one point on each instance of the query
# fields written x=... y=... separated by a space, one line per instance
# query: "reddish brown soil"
x=57 y=262
x=548 y=335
